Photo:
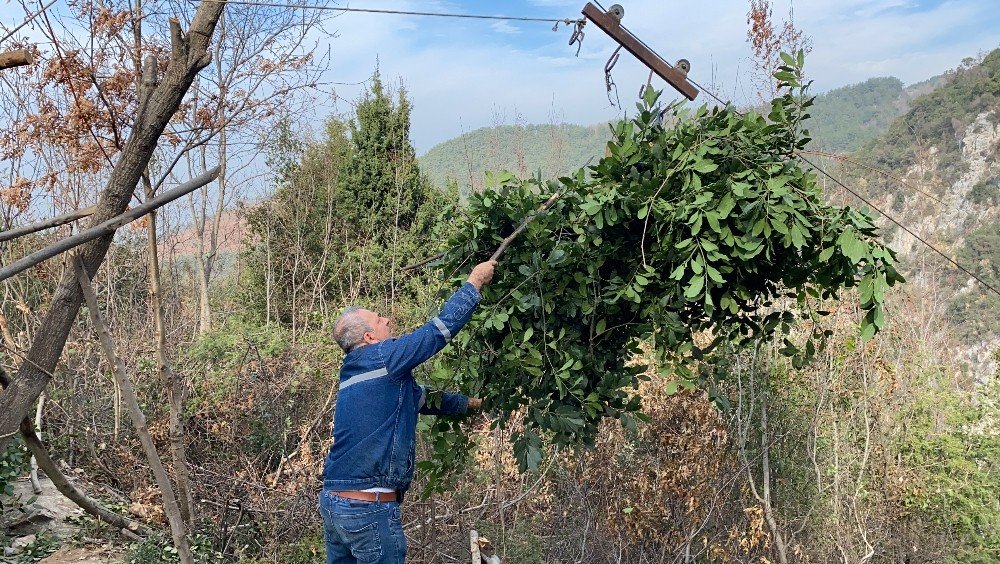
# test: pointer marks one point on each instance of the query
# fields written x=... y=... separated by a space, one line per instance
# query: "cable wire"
x=860 y=197
x=566 y=21
x=900 y=225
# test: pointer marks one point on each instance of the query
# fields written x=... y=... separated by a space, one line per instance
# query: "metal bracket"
x=613 y=27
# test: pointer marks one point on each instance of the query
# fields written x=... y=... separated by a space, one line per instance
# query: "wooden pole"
x=510 y=238
x=46 y=224
x=106 y=228
x=503 y=244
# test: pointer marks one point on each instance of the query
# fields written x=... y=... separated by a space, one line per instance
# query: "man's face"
x=381 y=326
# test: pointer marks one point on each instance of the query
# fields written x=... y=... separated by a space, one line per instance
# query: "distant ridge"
x=523 y=149
x=843 y=120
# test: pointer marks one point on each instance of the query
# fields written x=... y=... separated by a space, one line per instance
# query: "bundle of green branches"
x=697 y=222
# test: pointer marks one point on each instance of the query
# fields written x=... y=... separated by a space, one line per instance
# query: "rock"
x=34 y=517
x=21 y=543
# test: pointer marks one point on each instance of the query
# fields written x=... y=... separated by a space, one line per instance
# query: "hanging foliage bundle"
x=697 y=222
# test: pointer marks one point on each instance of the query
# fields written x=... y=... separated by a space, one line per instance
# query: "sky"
x=464 y=74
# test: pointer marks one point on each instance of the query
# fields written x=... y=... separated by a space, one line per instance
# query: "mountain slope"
x=843 y=120
x=946 y=148
x=522 y=149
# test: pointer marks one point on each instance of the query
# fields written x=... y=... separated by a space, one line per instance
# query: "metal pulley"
x=616 y=11
x=683 y=65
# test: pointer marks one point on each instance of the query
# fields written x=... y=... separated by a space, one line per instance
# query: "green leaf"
x=695 y=287
x=705 y=166
x=852 y=248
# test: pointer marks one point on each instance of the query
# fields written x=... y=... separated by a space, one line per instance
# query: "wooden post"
x=18 y=58
x=477 y=557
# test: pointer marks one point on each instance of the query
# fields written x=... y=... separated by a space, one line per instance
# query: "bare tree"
x=188 y=55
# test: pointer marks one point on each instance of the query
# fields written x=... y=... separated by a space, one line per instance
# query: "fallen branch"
x=63 y=484
x=46 y=224
x=170 y=505
x=108 y=227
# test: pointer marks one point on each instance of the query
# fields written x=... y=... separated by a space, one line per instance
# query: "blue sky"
x=462 y=75
x=466 y=74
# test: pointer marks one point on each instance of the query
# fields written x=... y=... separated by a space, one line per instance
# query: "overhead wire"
x=566 y=21
x=909 y=231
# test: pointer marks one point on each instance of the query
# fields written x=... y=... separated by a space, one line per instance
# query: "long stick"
x=138 y=418
x=46 y=224
x=503 y=244
x=510 y=238
x=106 y=228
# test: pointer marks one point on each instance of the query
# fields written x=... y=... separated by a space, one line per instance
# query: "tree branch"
x=63 y=484
x=18 y=58
x=46 y=224
x=106 y=228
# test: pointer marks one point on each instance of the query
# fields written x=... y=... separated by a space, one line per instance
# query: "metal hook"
x=612 y=60
x=610 y=82
x=577 y=36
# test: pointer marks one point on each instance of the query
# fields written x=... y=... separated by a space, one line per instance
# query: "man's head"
x=357 y=326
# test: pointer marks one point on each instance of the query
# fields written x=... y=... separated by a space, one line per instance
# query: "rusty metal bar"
x=613 y=27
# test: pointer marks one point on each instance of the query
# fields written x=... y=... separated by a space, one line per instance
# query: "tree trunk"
x=188 y=56
x=172 y=385
x=178 y=529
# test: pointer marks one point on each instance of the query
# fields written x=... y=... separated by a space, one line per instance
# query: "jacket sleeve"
x=403 y=354
x=442 y=403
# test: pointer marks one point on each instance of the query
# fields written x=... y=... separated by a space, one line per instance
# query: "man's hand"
x=475 y=404
x=482 y=274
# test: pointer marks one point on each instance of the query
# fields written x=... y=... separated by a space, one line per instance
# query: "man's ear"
x=369 y=338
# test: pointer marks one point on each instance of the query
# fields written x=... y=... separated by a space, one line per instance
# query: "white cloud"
x=505 y=27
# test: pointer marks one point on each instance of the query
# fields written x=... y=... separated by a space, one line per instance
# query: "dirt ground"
x=80 y=556
x=49 y=512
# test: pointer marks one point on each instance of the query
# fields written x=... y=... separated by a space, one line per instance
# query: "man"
x=370 y=464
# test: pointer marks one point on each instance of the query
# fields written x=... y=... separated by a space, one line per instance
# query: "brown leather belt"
x=366 y=496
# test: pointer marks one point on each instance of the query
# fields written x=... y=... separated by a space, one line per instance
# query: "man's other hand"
x=482 y=274
x=475 y=404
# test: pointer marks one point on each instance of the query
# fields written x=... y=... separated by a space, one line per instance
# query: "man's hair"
x=350 y=329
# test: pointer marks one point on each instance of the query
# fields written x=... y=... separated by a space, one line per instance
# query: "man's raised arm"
x=414 y=348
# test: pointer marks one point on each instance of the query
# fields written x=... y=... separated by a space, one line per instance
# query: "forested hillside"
x=524 y=149
x=843 y=120
x=941 y=157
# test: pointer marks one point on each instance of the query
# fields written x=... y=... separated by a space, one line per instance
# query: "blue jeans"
x=362 y=531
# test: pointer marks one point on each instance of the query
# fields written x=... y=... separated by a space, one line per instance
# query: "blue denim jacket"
x=375 y=421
